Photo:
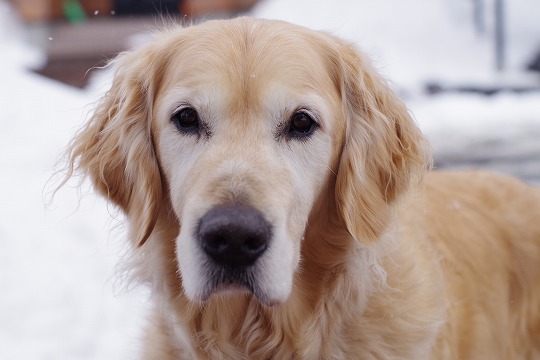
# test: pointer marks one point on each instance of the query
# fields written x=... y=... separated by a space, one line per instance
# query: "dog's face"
x=239 y=125
x=246 y=137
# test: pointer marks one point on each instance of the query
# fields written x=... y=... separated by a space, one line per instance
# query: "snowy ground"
x=421 y=41
x=61 y=297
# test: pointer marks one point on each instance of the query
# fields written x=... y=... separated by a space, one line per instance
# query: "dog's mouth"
x=231 y=281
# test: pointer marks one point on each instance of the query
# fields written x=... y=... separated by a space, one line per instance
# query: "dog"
x=280 y=206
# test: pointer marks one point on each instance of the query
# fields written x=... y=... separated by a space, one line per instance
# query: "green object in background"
x=73 y=11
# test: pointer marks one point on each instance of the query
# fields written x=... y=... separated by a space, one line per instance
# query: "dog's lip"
x=239 y=289
x=231 y=289
x=234 y=289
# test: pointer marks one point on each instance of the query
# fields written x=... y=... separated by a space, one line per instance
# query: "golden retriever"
x=272 y=185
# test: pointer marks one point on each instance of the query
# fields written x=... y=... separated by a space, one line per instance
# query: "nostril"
x=254 y=245
x=234 y=235
x=215 y=243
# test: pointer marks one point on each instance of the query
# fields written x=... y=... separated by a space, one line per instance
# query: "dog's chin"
x=230 y=283
x=231 y=291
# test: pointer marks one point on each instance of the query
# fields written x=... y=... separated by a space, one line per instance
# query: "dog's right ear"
x=116 y=149
x=383 y=152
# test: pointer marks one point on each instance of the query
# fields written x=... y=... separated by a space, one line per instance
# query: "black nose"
x=234 y=235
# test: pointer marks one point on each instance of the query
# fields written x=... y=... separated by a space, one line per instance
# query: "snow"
x=414 y=43
x=416 y=40
x=62 y=295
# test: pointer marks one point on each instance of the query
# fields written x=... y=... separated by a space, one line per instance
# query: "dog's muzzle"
x=236 y=249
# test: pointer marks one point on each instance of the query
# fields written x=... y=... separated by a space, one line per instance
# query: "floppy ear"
x=116 y=148
x=383 y=150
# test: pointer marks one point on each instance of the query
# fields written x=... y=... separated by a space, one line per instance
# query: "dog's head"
x=240 y=127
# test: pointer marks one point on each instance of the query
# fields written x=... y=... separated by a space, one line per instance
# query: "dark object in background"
x=75 y=49
x=435 y=87
x=534 y=65
x=146 y=7
x=79 y=35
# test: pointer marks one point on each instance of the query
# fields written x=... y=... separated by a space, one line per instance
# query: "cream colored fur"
x=365 y=262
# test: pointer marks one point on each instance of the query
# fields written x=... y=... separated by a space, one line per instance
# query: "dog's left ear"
x=116 y=148
x=383 y=149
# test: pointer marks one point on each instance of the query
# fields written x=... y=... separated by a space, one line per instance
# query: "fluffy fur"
x=364 y=263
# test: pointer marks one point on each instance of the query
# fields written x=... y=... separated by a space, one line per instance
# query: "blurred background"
x=469 y=71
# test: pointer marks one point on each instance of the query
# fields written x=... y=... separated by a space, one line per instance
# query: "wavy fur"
x=380 y=267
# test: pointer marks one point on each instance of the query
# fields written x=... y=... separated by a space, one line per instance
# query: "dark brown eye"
x=301 y=124
x=186 y=120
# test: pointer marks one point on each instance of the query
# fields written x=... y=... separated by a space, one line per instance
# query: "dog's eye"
x=301 y=124
x=186 y=120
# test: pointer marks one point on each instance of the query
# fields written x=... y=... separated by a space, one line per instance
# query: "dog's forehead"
x=247 y=60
